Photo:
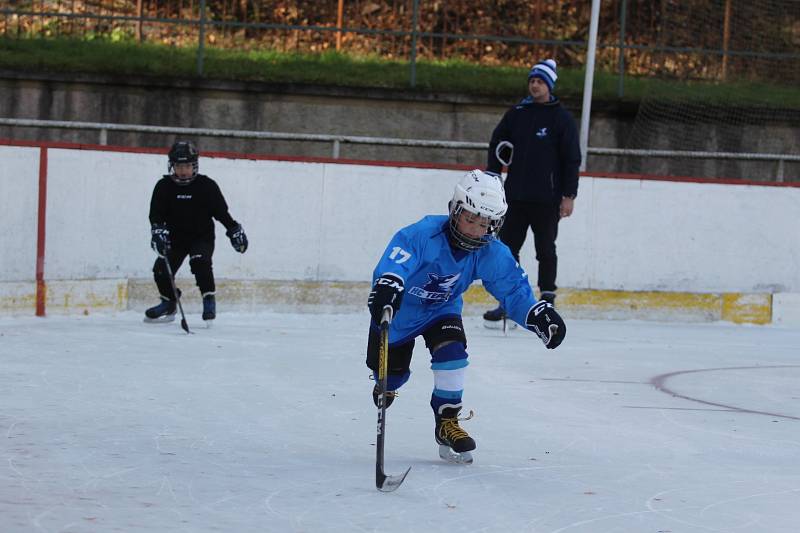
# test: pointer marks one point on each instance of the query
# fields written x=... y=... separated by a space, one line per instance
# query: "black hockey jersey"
x=189 y=210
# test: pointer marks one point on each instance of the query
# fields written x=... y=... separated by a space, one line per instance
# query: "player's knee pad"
x=160 y=269
x=449 y=364
x=398 y=370
x=200 y=264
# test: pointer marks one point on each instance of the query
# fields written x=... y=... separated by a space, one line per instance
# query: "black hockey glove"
x=238 y=238
x=159 y=239
x=388 y=290
x=547 y=324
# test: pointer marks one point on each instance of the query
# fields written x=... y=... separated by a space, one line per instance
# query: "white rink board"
x=786 y=309
x=672 y=236
x=365 y=206
x=330 y=221
x=19 y=194
x=97 y=205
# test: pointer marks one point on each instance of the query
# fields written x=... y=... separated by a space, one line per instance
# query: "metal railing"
x=337 y=140
x=780 y=159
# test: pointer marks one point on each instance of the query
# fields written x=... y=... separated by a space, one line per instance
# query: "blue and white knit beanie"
x=545 y=70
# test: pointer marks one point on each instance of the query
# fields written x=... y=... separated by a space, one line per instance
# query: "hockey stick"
x=382 y=481
x=184 y=325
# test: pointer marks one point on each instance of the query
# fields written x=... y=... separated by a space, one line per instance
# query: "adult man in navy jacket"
x=537 y=140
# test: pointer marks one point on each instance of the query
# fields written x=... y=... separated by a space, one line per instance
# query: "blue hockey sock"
x=449 y=365
x=438 y=401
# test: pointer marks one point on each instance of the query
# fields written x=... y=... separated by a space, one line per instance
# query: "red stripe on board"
x=41 y=288
x=236 y=155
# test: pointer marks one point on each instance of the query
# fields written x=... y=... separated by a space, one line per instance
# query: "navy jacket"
x=546 y=156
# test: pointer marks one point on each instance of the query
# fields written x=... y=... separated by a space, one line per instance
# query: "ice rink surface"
x=265 y=423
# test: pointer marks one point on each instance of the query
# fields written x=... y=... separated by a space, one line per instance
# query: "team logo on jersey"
x=541 y=133
x=184 y=196
x=438 y=289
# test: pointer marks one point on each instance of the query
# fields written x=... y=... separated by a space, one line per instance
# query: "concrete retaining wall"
x=349 y=111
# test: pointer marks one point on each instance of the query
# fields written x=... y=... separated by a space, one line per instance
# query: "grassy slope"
x=330 y=68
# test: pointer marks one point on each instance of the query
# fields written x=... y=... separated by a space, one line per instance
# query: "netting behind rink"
x=738 y=50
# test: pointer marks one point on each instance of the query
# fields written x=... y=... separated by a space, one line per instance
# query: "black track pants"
x=199 y=253
x=543 y=221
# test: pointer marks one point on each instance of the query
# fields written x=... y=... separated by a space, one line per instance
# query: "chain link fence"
x=709 y=40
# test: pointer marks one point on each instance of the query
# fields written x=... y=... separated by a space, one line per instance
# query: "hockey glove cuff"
x=159 y=239
x=238 y=238
x=388 y=290
x=547 y=324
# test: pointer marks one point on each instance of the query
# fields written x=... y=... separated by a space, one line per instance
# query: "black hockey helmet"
x=183 y=152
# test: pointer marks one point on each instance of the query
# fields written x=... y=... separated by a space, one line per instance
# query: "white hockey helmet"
x=482 y=194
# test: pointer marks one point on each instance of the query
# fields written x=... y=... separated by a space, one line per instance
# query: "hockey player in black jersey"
x=182 y=212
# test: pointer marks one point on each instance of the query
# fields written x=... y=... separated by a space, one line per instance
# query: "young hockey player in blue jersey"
x=422 y=275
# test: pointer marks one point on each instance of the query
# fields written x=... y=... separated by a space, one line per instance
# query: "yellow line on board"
x=739 y=308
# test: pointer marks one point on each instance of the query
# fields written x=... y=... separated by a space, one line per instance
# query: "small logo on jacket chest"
x=541 y=133
x=183 y=196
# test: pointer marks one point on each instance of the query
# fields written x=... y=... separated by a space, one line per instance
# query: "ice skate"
x=455 y=444
x=390 y=394
x=497 y=319
x=209 y=309
x=163 y=312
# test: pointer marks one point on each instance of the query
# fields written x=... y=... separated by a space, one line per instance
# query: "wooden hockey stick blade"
x=184 y=325
x=389 y=483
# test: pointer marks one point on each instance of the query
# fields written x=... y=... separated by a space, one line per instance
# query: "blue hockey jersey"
x=435 y=276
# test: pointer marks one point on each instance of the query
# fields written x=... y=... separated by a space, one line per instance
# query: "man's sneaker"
x=390 y=394
x=209 y=307
x=454 y=443
x=163 y=312
x=548 y=296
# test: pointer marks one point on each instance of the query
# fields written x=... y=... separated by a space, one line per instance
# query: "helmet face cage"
x=480 y=194
x=466 y=242
x=180 y=153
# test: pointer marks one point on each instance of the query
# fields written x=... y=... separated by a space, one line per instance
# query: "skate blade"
x=209 y=323
x=160 y=320
x=498 y=324
x=447 y=453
